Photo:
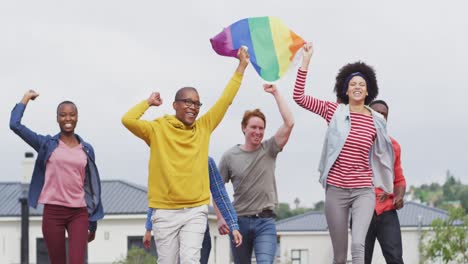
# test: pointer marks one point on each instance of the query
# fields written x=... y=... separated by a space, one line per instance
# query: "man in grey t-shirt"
x=251 y=169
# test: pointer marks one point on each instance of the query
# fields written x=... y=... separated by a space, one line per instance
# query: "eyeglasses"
x=189 y=103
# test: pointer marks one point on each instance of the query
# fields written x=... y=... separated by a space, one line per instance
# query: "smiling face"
x=357 y=90
x=186 y=106
x=380 y=108
x=67 y=117
x=254 y=131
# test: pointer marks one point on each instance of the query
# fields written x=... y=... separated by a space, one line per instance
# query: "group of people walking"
x=359 y=169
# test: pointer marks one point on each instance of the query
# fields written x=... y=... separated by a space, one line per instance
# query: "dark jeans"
x=386 y=228
x=55 y=220
x=206 y=246
x=258 y=234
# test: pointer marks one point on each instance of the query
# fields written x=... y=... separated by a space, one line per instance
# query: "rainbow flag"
x=271 y=44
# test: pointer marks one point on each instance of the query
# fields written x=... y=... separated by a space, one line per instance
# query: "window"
x=299 y=256
x=42 y=255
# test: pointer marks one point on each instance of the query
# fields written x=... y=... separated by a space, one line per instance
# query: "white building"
x=301 y=239
x=123 y=226
x=304 y=238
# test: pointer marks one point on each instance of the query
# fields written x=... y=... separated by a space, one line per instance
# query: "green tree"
x=453 y=193
x=447 y=240
x=451 y=187
x=464 y=198
x=137 y=256
x=283 y=211
x=319 y=206
x=434 y=187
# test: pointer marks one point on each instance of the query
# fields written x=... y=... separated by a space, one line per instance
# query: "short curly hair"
x=341 y=85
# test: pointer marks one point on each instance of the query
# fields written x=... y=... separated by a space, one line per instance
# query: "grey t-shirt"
x=253 y=177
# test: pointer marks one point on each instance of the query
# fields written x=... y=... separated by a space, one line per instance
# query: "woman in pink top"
x=356 y=153
x=65 y=180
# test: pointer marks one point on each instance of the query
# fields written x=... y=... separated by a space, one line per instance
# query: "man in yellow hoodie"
x=178 y=183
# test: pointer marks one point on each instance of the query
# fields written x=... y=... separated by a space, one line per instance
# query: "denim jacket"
x=381 y=155
x=45 y=145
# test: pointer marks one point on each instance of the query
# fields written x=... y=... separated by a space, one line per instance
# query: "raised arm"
x=131 y=119
x=216 y=113
x=283 y=133
x=308 y=102
x=32 y=138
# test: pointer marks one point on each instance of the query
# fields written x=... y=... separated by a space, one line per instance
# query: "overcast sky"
x=106 y=56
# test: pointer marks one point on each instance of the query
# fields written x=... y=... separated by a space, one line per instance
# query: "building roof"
x=315 y=221
x=118 y=197
x=310 y=221
x=410 y=213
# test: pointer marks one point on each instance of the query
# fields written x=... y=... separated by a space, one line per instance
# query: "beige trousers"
x=179 y=234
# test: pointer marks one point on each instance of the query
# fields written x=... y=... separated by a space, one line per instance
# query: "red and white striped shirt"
x=351 y=169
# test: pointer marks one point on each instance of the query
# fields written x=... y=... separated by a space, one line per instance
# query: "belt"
x=267 y=213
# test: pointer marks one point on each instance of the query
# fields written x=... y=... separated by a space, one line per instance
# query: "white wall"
x=410 y=240
x=101 y=250
x=10 y=233
x=317 y=243
x=109 y=245
x=10 y=236
x=220 y=245
x=111 y=242
x=320 y=249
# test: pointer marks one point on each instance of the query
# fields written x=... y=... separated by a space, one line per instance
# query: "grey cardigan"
x=381 y=156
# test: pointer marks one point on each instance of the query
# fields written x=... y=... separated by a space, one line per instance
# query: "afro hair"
x=342 y=83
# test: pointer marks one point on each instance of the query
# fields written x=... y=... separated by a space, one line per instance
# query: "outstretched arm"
x=216 y=113
x=131 y=119
x=29 y=95
x=32 y=138
x=244 y=60
x=283 y=133
x=308 y=102
x=307 y=51
x=299 y=96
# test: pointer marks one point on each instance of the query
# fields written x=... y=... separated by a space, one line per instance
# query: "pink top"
x=351 y=169
x=64 y=177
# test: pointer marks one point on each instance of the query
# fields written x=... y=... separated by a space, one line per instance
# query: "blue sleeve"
x=220 y=196
x=32 y=138
x=149 y=225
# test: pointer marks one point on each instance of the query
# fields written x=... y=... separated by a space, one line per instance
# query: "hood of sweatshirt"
x=172 y=119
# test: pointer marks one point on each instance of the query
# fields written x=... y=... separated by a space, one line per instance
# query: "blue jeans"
x=258 y=234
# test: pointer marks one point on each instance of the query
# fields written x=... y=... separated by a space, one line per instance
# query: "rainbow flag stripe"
x=271 y=44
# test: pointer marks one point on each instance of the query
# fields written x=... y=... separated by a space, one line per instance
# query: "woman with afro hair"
x=357 y=154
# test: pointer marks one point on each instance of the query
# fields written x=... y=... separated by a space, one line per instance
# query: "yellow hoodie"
x=178 y=165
